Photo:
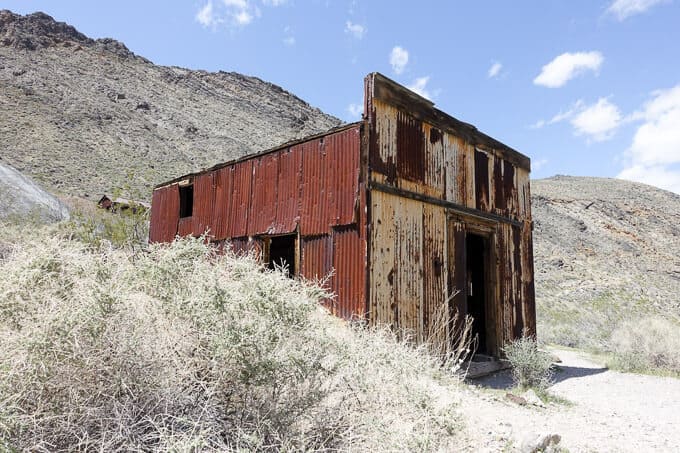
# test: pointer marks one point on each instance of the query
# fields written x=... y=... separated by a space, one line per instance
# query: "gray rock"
x=21 y=198
x=533 y=443
x=531 y=398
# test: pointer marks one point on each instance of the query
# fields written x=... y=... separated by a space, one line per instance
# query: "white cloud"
x=355 y=110
x=623 y=9
x=234 y=13
x=561 y=116
x=419 y=86
x=205 y=16
x=398 y=59
x=289 y=40
x=356 y=30
x=537 y=164
x=654 y=154
x=598 y=121
x=494 y=70
x=567 y=66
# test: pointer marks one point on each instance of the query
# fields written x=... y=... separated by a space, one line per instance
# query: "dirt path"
x=608 y=411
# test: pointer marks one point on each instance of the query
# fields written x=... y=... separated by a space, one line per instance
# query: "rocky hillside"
x=605 y=250
x=86 y=116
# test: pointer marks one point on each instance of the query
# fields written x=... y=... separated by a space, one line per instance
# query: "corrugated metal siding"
x=435 y=308
x=482 y=181
x=241 y=193
x=289 y=190
x=164 y=214
x=349 y=278
x=263 y=202
x=203 y=204
x=223 y=179
x=410 y=236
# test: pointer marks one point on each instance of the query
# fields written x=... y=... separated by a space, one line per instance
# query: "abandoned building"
x=418 y=216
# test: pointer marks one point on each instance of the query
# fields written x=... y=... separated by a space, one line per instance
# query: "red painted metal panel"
x=164 y=214
x=223 y=180
x=204 y=204
x=238 y=217
x=349 y=258
x=185 y=226
x=313 y=215
x=330 y=181
x=289 y=188
x=262 y=212
x=317 y=261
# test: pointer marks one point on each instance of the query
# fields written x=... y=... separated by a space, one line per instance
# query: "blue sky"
x=582 y=87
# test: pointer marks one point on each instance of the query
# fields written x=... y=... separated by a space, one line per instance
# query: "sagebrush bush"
x=531 y=367
x=648 y=344
x=178 y=348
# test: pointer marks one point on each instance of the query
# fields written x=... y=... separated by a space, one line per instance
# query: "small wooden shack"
x=416 y=215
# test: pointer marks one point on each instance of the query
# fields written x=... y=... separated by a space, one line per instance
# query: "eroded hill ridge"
x=85 y=116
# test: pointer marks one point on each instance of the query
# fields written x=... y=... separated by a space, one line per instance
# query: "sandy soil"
x=607 y=411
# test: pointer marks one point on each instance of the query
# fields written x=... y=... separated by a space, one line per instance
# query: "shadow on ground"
x=502 y=380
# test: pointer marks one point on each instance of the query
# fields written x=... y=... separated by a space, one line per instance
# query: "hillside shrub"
x=648 y=344
x=531 y=367
x=177 y=348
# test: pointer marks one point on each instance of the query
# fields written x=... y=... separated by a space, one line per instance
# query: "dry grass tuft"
x=177 y=348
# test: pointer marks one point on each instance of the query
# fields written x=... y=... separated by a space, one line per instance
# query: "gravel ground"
x=607 y=411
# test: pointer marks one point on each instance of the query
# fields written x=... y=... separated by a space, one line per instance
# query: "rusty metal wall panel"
x=349 y=282
x=435 y=310
x=330 y=181
x=528 y=290
x=523 y=192
x=185 y=226
x=397 y=267
x=164 y=214
x=499 y=201
x=518 y=309
x=510 y=189
x=383 y=152
x=481 y=180
x=262 y=209
x=241 y=194
x=316 y=257
x=435 y=162
x=223 y=180
x=313 y=215
x=410 y=148
x=382 y=267
x=289 y=190
x=246 y=245
x=203 y=204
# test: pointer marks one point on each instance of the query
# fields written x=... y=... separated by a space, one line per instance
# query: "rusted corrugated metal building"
x=417 y=214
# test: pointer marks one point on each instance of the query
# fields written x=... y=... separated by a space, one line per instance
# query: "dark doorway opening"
x=282 y=253
x=186 y=201
x=476 y=248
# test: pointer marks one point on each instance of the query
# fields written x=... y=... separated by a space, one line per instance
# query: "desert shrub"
x=179 y=348
x=648 y=344
x=530 y=366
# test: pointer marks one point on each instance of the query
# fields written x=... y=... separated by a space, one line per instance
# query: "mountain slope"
x=606 y=251
x=87 y=116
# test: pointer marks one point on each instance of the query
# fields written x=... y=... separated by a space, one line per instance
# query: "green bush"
x=177 y=348
x=530 y=366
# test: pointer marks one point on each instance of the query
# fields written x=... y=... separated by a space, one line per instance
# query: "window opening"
x=186 y=201
x=282 y=253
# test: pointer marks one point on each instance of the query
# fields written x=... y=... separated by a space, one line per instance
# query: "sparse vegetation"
x=650 y=345
x=530 y=366
x=178 y=348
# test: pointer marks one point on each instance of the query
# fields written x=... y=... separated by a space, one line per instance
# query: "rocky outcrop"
x=85 y=117
x=21 y=198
